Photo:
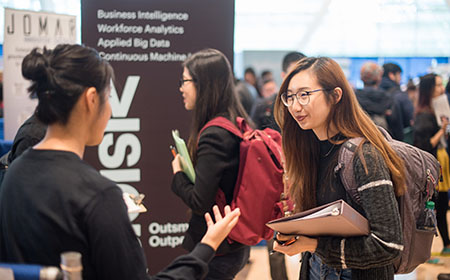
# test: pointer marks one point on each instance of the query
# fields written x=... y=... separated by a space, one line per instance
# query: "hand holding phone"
x=174 y=151
x=445 y=124
x=177 y=162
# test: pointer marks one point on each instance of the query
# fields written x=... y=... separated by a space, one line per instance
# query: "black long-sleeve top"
x=369 y=257
x=425 y=127
x=217 y=167
x=52 y=201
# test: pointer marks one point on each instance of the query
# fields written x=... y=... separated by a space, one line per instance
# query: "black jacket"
x=217 y=167
x=395 y=120
x=262 y=113
x=374 y=101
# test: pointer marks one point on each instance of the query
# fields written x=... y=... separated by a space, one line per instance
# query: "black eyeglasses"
x=182 y=81
x=301 y=96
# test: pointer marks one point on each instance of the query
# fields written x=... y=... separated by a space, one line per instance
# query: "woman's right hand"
x=444 y=123
x=176 y=164
x=300 y=245
x=217 y=232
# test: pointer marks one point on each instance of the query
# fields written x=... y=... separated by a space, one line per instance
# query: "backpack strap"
x=345 y=167
x=386 y=134
x=225 y=124
x=345 y=163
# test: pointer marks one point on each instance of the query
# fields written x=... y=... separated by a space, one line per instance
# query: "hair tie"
x=48 y=93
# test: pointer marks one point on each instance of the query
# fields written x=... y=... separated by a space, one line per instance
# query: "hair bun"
x=35 y=66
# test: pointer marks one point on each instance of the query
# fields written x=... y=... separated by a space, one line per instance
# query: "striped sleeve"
x=384 y=242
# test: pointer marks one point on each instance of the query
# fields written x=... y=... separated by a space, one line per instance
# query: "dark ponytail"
x=59 y=77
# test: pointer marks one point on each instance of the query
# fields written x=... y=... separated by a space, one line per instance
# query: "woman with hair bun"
x=52 y=201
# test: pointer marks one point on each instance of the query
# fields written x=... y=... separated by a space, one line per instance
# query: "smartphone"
x=173 y=150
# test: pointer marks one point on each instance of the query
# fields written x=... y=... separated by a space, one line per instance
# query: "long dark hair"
x=427 y=86
x=301 y=146
x=59 y=77
x=216 y=94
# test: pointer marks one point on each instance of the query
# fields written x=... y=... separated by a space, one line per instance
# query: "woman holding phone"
x=207 y=88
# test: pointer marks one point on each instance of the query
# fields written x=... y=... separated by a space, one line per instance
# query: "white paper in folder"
x=334 y=219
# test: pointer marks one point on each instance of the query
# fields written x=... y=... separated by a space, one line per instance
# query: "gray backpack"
x=422 y=171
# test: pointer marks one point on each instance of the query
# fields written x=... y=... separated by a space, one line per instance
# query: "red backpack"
x=259 y=191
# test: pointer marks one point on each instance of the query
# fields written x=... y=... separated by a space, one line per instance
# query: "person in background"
x=427 y=136
x=447 y=89
x=262 y=112
x=403 y=109
x=207 y=88
x=413 y=92
x=245 y=96
x=252 y=83
x=1 y=94
x=31 y=132
x=266 y=75
x=52 y=201
x=317 y=111
x=269 y=88
x=1 y=99
x=375 y=101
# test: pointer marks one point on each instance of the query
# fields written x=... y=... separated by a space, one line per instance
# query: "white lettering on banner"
x=156 y=228
x=101 y=14
x=114 y=43
x=169 y=56
x=140 y=43
x=119 y=28
x=168 y=228
x=159 y=43
x=168 y=241
x=123 y=125
x=120 y=56
x=163 y=29
x=138 y=29
x=127 y=147
x=123 y=141
x=120 y=108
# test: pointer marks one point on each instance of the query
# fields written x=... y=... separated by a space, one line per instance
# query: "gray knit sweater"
x=369 y=257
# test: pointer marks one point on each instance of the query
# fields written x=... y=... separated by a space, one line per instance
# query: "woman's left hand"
x=302 y=244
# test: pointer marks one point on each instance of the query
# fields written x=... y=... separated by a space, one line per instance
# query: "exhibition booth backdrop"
x=146 y=42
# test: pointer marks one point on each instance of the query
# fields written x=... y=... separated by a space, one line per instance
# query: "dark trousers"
x=441 y=216
x=277 y=263
x=225 y=267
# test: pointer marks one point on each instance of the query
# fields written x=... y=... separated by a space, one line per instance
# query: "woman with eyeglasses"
x=51 y=201
x=317 y=111
x=207 y=88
